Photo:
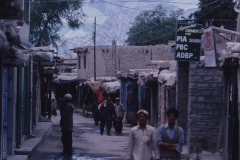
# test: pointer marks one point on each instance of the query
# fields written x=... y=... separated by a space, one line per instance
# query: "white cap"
x=142 y=111
x=68 y=96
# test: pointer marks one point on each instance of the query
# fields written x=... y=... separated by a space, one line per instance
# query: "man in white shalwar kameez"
x=142 y=140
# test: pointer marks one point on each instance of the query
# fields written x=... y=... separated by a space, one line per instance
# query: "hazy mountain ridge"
x=114 y=25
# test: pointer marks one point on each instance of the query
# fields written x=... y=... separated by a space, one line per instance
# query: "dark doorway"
x=232 y=113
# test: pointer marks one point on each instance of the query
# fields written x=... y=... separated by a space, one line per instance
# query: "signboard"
x=188 y=42
x=209 y=48
x=11 y=9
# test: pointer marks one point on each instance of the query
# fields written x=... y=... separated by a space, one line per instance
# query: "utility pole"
x=94 y=41
x=238 y=22
x=143 y=33
x=237 y=9
x=114 y=53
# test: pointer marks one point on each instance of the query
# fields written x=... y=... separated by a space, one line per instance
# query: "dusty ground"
x=88 y=144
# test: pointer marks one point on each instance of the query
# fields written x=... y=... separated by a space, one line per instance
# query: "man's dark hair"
x=174 y=111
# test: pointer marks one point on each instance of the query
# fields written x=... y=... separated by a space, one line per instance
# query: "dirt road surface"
x=88 y=144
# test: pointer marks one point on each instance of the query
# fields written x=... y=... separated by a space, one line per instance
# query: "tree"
x=153 y=27
x=47 y=19
x=217 y=13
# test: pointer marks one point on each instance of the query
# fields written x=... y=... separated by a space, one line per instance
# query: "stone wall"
x=137 y=57
x=205 y=106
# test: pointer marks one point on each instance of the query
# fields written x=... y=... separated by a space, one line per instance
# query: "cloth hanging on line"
x=94 y=85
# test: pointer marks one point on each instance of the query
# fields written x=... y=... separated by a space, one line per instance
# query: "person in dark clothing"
x=66 y=123
x=95 y=113
x=119 y=110
x=54 y=107
x=86 y=106
x=107 y=111
x=62 y=104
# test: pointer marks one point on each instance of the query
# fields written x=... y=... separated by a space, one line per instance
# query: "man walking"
x=117 y=123
x=142 y=140
x=170 y=137
x=66 y=123
x=107 y=111
x=62 y=104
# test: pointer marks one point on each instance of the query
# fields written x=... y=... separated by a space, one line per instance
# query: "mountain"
x=113 y=18
x=189 y=11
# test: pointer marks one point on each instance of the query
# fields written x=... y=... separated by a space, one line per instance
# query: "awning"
x=50 y=70
x=66 y=77
x=19 y=58
x=111 y=87
x=104 y=79
x=94 y=85
x=41 y=49
x=42 y=53
x=232 y=51
x=131 y=73
x=167 y=77
x=42 y=56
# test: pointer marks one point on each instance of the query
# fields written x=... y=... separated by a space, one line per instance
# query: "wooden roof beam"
x=226 y=31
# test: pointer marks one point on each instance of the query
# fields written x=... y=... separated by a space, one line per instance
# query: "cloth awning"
x=104 y=79
x=41 y=49
x=94 y=85
x=111 y=87
x=232 y=51
x=42 y=53
x=42 y=56
x=19 y=58
x=167 y=77
x=66 y=77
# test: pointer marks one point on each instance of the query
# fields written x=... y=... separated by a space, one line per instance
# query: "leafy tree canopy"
x=216 y=12
x=47 y=19
x=153 y=27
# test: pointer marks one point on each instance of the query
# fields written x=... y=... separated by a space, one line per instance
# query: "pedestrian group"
x=144 y=142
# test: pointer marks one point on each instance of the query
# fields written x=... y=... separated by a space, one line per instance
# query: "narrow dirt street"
x=88 y=144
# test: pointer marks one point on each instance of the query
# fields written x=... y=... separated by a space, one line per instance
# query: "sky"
x=184 y=4
x=189 y=4
x=91 y=13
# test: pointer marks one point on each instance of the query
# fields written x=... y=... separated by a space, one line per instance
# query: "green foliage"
x=153 y=27
x=219 y=12
x=47 y=19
